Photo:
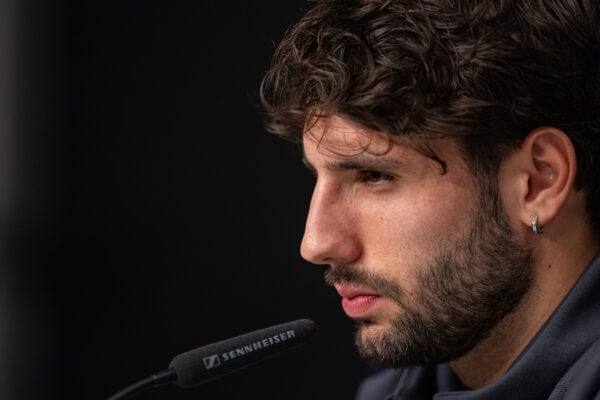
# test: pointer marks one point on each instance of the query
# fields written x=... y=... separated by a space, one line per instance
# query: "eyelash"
x=374 y=177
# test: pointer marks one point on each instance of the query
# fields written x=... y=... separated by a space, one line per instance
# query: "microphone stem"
x=160 y=378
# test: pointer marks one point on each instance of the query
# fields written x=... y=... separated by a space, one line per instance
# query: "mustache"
x=343 y=275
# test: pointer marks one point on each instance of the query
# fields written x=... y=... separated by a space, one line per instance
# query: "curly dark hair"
x=485 y=72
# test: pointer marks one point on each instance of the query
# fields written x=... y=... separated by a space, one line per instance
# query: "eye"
x=372 y=177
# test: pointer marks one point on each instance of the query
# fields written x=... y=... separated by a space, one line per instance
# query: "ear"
x=549 y=165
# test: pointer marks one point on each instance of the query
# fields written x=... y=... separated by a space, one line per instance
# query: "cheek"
x=512 y=208
x=438 y=215
x=411 y=231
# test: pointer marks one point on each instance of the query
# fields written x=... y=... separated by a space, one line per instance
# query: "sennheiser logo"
x=212 y=361
x=257 y=346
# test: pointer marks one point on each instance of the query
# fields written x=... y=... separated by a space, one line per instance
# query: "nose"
x=329 y=235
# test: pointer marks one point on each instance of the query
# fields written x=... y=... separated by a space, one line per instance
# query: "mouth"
x=356 y=302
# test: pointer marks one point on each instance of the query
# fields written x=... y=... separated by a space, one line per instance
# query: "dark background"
x=145 y=210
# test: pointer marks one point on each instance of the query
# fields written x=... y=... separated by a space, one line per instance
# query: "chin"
x=371 y=328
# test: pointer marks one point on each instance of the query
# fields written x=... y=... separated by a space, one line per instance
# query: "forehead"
x=333 y=142
x=334 y=136
x=338 y=138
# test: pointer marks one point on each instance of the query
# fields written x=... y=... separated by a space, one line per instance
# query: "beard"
x=466 y=288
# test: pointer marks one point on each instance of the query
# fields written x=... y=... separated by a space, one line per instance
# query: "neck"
x=555 y=274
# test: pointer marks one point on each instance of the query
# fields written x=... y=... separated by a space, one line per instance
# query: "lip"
x=356 y=302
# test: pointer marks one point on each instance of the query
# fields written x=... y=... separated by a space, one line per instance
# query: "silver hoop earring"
x=534 y=225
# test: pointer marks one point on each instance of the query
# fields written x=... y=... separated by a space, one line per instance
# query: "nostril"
x=330 y=249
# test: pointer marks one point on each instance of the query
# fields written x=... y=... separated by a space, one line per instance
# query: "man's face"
x=425 y=261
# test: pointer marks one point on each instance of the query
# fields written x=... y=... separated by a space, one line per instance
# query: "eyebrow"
x=359 y=162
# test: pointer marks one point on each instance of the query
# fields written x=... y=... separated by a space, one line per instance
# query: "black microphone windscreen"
x=215 y=360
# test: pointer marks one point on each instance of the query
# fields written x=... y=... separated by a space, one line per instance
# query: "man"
x=455 y=147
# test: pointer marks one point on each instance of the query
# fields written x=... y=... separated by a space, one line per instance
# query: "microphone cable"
x=215 y=360
x=158 y=379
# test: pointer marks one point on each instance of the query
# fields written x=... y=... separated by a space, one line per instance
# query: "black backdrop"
x=152 y=212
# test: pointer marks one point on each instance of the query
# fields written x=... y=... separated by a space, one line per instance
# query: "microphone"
x=215 y=360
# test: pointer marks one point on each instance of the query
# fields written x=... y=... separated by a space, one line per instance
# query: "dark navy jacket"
x=562 y=362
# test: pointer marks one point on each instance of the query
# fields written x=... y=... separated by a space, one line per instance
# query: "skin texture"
x=408 y=246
